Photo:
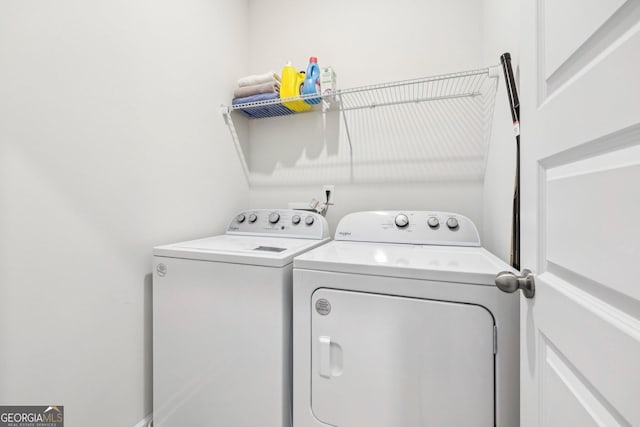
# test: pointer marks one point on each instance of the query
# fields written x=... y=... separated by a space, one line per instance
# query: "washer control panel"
x=411 y=227
x=280 y=223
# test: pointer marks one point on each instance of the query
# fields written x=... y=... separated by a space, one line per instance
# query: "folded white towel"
x=244 y=91
x=256 y=79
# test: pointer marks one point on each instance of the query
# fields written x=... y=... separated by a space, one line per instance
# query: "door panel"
x=386 y=361
x=567 y=400
x=589 y=204
x=598 y=340
x=564 y=34
x=580 y=123
x=595 y=68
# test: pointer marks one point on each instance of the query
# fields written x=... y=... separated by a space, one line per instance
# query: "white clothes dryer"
x=398 y=323
x=222 y=322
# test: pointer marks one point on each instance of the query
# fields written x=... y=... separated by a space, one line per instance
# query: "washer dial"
x=274 y=217
x=402 y=220
x=452 y=223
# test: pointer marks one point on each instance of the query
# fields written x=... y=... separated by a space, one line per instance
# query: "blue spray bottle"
x=312 y=81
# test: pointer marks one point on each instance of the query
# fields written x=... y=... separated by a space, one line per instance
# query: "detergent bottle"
x=312 y=81
x=291 y=85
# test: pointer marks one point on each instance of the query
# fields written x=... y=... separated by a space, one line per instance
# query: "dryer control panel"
x=280 y=223
x=410 y=227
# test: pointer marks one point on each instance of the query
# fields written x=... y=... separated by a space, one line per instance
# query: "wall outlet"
x=328 y=192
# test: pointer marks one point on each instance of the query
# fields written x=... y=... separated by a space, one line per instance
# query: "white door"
x=389 y=361
x=580 y=94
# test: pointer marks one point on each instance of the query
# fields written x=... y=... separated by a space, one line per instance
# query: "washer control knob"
x=309 y=220
x=274 y=217
x=433 y=222
x=402 y=220
x=240 y=218
x=253 y=218
x=452 y=223
x=295 y=219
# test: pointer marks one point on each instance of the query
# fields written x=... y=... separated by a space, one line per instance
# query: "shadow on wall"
x=283 y=142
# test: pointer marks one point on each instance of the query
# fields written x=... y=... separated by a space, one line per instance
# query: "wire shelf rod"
x=410 y=101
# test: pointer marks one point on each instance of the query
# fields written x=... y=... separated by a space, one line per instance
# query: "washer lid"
x=472 y=265
x=254 y=250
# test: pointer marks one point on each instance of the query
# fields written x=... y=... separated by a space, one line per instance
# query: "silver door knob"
x=508 y=282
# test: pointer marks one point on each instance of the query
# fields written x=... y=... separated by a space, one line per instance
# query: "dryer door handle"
x=324 y=356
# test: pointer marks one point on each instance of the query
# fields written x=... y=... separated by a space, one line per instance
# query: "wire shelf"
x=447 y=86
x=420 y=129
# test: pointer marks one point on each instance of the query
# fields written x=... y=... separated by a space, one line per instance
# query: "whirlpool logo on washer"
x=161 y=269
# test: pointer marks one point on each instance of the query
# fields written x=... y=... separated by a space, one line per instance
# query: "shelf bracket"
x=226 y=114
x=346 y=128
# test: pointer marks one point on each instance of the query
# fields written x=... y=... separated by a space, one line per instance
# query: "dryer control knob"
x=433 y=222
x=240 y=218
x=295 y=219
x=402 y=220
x=309 y=220
x=274 y=217
x=253 y=218
x=452 y=223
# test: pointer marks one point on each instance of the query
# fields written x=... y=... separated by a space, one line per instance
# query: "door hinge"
x=495 y=339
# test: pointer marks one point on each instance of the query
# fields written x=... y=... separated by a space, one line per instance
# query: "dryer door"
x=387 y=361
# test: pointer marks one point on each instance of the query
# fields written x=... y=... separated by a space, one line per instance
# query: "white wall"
x=111 y=142
x=501 y=34
x=367 y=42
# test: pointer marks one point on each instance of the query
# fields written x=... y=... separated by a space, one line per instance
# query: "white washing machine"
x=398 y=323
x=222 y=322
